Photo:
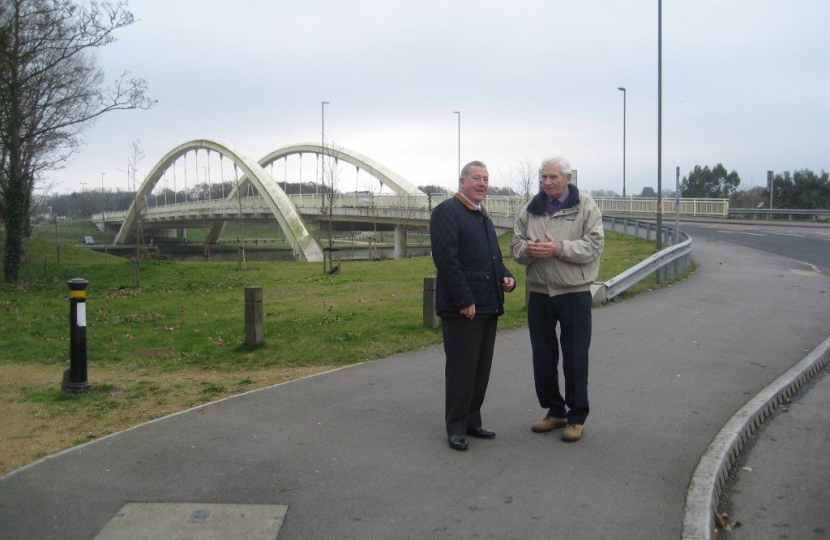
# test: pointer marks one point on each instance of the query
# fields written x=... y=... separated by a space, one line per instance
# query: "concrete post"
x=400 y=242
x=74 y=378
x=254 y=317
x=431 y=319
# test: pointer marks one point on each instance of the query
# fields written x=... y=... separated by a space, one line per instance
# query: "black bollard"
x=74 y=378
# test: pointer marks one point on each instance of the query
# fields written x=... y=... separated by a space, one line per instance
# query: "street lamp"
x=83 y=197
x=459 y=140
x=322 y=138
x=659 y=128
x=622 y=89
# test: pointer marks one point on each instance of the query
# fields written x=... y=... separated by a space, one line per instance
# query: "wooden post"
x=431 y=319
x=253 y=315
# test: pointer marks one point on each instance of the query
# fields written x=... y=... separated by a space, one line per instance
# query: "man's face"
x=474 y=186
x=553 y=183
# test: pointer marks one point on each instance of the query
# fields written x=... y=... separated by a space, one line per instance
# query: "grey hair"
x=564 y=164
x=466 y=170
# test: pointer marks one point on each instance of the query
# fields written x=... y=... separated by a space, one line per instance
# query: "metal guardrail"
x=769 y=213
x=670 y=262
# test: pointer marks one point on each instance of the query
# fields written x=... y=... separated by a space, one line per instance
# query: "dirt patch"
x=38 y=420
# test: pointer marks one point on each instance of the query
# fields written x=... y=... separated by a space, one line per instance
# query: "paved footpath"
x=360 y=453
x=781 y=486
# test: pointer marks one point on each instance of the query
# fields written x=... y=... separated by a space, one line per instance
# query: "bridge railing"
x=642 y=205
x=496 y=204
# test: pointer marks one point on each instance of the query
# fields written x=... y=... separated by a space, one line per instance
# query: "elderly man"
x=558 y=235
x=471 y=281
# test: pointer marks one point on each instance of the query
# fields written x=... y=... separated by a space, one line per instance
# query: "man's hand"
x=539 y=249
x=469 y=311
x=508 y=284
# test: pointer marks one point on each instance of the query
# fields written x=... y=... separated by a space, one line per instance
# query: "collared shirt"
x=477 y=205
x=555 y=204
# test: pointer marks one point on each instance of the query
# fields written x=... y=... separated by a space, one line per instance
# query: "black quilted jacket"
x=466 y=254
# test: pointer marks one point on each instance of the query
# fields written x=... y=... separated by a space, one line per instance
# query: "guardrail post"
x=431 y=319
x=253 y=315
x=74 y=378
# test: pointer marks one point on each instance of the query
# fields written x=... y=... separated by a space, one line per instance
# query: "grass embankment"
x=178 y=340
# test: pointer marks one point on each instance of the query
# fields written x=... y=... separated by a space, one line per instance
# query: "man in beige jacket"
x=558 y=235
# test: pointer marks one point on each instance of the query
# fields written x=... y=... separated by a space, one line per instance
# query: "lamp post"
x=322 y=177
x=323 y=128
x=322 y=140
x=83 y=198
x=103 y=203
x=622 y=89
x=659 y=128
x=459 y=141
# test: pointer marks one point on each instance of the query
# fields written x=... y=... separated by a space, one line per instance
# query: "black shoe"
x=458 y=442
x=481 y=433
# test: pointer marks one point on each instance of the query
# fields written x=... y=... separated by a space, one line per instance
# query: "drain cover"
x=194 y=521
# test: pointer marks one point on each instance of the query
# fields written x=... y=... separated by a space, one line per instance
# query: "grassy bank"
x=177 y=340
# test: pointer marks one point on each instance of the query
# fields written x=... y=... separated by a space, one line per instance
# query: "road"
x=801 y=242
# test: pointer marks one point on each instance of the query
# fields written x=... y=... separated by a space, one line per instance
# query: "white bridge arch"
x=303 y=243
x=389 y=178
x=289 y=219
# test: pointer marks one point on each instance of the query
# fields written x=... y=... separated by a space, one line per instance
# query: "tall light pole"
x=459 y=141
x=659 y=128
x=83 y=197
x=322 y=185
x=322 y=138
x=103 y=202
x=622 y=89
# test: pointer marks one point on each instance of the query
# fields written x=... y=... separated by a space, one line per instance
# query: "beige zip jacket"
x=580 y=239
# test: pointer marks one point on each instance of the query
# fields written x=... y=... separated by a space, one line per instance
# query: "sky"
x=745 y=83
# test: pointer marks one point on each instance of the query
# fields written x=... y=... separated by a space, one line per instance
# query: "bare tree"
x=133 y=160
x=526 y=183
x=50 y=89
x=523 y=180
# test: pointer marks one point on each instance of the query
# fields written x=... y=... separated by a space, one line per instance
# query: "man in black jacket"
x=471 y=282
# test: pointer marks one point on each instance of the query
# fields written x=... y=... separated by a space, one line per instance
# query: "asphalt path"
x=360 y=453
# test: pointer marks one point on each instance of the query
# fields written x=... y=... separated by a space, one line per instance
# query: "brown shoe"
x=549 y=423
x=572 y=433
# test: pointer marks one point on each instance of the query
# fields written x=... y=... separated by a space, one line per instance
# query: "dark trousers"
x=572 y=312
x=468 y=345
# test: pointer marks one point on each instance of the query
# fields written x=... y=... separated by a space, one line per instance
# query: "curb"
x=712 y=472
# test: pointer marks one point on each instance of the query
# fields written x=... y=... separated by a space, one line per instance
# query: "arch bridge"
x=246 y=174
x=250 y=189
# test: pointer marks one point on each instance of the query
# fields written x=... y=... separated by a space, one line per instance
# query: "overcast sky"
x=745 y=83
